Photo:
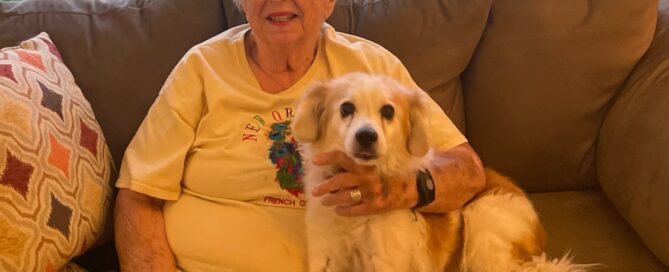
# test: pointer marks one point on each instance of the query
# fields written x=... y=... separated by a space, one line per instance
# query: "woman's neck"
x=283 y=58
x=277 y=67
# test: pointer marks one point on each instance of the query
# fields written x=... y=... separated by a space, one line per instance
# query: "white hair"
x=238 y=4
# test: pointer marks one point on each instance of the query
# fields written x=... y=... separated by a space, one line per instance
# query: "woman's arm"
x=139 y=225
x=458 y=175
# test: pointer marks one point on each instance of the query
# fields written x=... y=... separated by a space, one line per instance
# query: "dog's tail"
x=542 y=263
x=502 y=232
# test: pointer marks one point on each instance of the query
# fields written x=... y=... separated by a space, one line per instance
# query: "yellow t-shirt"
x=219 y=149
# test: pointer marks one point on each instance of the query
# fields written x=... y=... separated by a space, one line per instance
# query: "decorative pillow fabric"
x=54 y=162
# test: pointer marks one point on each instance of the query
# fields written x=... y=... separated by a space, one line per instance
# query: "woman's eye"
x=387 y=112
x=347 y=108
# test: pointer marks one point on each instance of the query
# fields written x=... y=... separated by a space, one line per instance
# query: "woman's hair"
x=238 y=3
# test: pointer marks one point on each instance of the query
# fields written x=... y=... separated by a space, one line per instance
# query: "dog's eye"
x=387 y=112
x=347 y=108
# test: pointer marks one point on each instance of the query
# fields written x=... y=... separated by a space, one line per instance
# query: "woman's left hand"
x=380 y=194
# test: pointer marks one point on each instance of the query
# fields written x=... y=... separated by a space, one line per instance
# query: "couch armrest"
x=633 y=150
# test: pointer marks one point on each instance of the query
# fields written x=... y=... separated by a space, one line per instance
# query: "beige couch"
x=570 y=98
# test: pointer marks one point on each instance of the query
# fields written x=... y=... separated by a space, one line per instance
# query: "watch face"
x=430 y=184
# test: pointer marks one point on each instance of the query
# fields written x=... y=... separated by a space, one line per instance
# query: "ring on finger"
x=356 y=196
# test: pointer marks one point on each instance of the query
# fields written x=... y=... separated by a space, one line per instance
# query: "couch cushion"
x=120 y=52
x=54 y=164
x=435 y=39
x=586 y=223
x=633 y=162
x=542 y=80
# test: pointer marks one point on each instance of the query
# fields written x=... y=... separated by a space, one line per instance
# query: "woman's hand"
x=458 y=176
x=379 y=194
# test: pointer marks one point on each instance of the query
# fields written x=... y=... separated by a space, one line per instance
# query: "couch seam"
x=67 y=12
x=146 y=4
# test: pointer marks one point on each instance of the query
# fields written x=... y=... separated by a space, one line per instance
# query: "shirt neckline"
x=297 y=86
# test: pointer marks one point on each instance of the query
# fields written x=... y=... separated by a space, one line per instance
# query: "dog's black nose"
x=366 y=137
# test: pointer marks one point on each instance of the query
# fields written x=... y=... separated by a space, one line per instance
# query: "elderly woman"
x=211 y=181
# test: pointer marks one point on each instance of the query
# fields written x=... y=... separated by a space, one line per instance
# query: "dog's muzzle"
x=366 y=138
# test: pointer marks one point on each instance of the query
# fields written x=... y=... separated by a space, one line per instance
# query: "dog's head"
x=366 y=116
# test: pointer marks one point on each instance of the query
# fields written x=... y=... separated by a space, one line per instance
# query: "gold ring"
x=356 y=196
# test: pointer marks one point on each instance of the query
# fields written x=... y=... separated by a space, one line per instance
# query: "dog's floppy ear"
x=306 y=125
x=418 y=141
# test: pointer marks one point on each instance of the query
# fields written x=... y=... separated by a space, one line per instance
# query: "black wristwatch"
x=425 y=187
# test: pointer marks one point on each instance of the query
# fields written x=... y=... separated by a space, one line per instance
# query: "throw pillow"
x=54 y=163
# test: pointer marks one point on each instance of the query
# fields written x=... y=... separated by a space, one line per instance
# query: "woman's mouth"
x=284 y=18
x=280 y=18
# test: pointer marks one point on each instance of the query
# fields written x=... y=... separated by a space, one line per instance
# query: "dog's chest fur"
x=394 y=241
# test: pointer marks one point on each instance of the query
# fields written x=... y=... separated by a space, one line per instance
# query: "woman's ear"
x=306 y=125
x=418 y=142
x=330 y=7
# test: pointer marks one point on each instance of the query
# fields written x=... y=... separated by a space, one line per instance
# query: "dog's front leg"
x=323 y=254
x=323 y=243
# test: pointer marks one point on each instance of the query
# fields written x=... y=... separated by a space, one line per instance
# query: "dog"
x=498 y=230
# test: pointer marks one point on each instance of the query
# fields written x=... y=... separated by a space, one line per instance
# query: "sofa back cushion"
x=542 y=80
x=120 y=52
x=434 y=39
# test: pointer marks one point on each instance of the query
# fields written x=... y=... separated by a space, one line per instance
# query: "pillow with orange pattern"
x=54 y=163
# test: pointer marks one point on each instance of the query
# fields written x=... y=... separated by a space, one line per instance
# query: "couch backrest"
x=120 y=52
x=542 y=80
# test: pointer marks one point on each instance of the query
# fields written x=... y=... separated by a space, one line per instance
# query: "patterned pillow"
x=54 y=163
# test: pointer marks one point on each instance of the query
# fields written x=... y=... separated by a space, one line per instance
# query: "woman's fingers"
x=378 y=194
x=354 y=176
x=342 y=198
x=338 y=182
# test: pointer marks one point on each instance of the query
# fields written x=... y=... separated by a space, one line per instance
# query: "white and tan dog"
x=377 y=121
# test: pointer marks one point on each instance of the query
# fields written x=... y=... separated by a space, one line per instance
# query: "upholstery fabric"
x=54 y=163
x=587 y=225
x=435 y=39
x=542 y=80
x=120 y=51
x=633 y=165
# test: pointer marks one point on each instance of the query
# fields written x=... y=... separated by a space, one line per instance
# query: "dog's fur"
x=497 y=231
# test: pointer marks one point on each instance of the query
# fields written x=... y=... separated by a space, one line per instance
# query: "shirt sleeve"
x=153 y=163
x=444 y=135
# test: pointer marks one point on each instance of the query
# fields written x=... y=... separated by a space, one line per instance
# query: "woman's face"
x=286 y=21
